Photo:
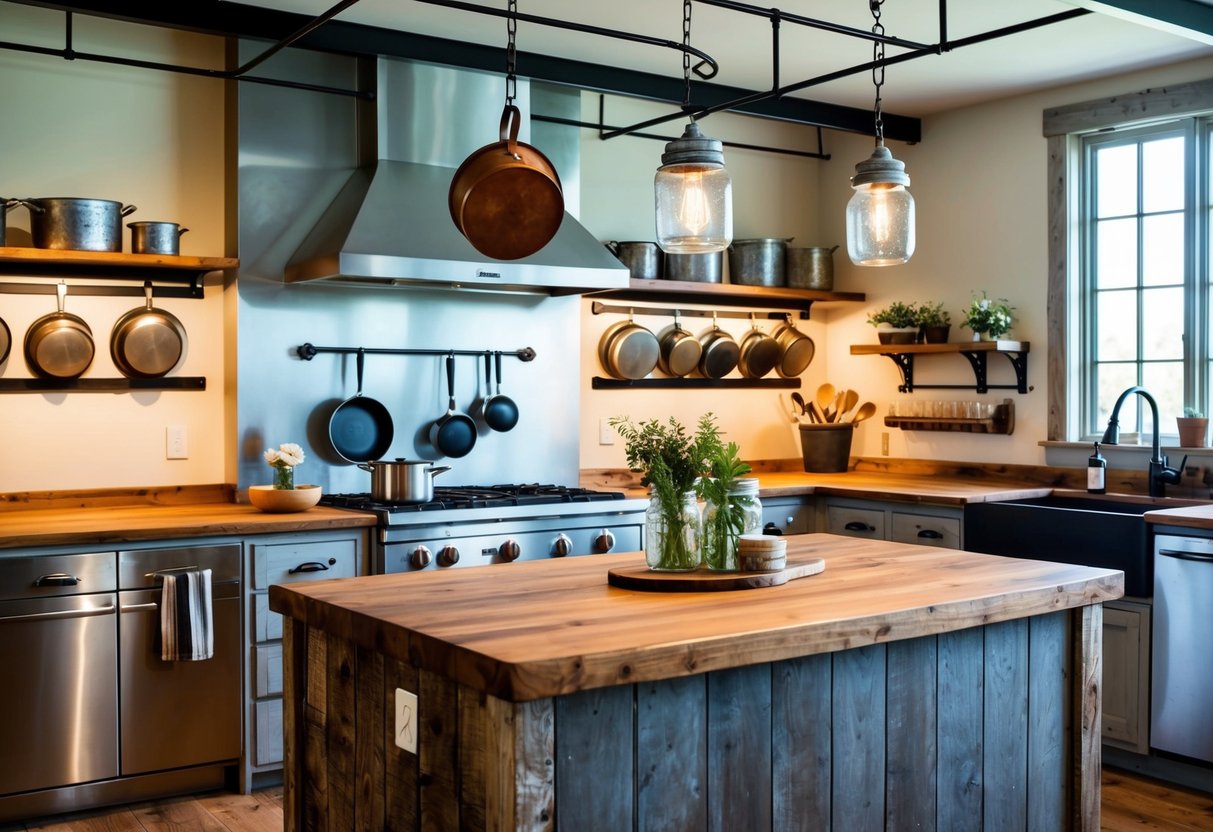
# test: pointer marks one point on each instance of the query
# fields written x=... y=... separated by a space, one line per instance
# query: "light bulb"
x=693 y=212
x=880 y=214
x=694 y=196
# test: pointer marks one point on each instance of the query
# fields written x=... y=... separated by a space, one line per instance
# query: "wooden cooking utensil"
x=825 y=396
x=849 y=399
x=866 y=411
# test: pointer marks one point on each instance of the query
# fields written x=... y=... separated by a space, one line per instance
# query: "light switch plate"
x=606 y=433
x=175 y=444
x=406 y=720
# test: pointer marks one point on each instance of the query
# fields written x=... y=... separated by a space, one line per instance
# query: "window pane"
x=1114 y=379
x=1162 y=175
x=1162 y=324
x=1165 y=382
x=1162 y=247
x=1116 y=182
x=1116 y=253
x=1116 y=326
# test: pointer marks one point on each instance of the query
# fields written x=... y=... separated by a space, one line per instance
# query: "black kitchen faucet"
x=1160 y=474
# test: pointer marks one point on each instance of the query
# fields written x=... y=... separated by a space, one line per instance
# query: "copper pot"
x=506 y=197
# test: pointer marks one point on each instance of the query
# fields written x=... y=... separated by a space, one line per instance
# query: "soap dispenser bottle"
x=1097 y=472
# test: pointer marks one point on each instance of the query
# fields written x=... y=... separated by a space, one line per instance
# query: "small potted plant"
x=895 y=323
x=989 y=318
x=934 y=322
x=1193 y=427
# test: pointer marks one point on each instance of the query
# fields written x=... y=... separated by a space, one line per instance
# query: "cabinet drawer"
x=267 y=624
x=267 y=733
x=284 y=563
x=269 y=670
x=926 y=529
x=789 y=518
x=855 y=522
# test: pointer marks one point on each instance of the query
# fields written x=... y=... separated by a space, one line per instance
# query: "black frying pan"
x=454 y=433
x=360 y=428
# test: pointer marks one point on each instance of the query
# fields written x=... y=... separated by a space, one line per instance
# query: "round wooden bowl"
x=280 y=500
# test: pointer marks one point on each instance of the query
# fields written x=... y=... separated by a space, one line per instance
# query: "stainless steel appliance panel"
x=59 y=704
x=177 y=714
x=1182 y=675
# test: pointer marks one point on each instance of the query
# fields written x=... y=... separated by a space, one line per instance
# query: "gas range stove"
x=481 y=525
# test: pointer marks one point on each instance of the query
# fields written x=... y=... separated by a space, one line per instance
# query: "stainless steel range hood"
x=390 y=223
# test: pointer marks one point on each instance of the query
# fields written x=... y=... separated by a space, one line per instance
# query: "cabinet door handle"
x=313 y=566
x=1175 y=553
x=930 y=534
x=772 y=529
x=45 y=616
x=858 y=526
x=57 y=579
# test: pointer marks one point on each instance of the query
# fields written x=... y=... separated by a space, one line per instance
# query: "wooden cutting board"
x=703 y=580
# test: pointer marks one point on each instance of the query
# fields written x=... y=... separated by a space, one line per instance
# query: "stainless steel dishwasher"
x=177 y=714
x=1182 y=675
x=58 y=651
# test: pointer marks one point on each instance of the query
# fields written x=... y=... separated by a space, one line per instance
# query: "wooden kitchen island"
x=905 y=687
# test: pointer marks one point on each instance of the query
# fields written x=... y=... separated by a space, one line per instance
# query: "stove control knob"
x=448 y=556
x=561 y=546
x=420 y=557
x=605 y=542
x=509 y=551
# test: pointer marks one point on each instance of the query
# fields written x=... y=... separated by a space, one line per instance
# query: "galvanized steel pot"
x=69 y=223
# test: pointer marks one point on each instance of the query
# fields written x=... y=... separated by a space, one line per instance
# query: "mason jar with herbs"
x=740 y=513
x=672 y=534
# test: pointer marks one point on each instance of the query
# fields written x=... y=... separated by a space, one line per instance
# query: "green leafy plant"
x=932 y=314
x=896 y=314
x=992 y=316
x=1192 y=413
x=726 y=521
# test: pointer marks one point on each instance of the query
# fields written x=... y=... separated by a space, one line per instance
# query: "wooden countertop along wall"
x=115 y=517
x=525 y=631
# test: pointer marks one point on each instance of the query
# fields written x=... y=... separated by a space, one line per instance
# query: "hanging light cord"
x=686 y=56
x=878 y=64
x=511 y=54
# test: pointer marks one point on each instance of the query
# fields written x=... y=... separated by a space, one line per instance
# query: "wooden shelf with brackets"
x=729 y=294
x=976 y=352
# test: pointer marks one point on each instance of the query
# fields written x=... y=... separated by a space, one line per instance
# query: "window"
x=1139 y=298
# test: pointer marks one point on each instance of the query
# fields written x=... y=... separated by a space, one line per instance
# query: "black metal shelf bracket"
x=600 y=383
x=308 y=351
x=979 y=362
x=100 y=385
x=905 y=363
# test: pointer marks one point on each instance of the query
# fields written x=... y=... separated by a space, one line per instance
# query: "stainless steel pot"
x=759 y=354
x=758 y=262
x=5 y=204
x=155 y=237
x=720 y=352
x=697 y=268
x=628 y=351
x=147 y=342
x=642 y=259
x=797 y=348
x=680 y=350
x=402 y=480
x=811 y=268
x=69 y=223
x=60 y=344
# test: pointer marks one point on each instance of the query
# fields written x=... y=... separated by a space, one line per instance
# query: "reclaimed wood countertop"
x=536 y=629
x=1190 y=517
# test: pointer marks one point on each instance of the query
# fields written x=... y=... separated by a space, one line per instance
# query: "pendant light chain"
x=686 y=55
x=878 y=64
x=511 y=54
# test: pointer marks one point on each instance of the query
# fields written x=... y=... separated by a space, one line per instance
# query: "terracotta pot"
x=506 y=197
x=1192 y=431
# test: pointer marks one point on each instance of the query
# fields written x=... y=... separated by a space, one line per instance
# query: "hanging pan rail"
x=600 y=308
x=308 y=351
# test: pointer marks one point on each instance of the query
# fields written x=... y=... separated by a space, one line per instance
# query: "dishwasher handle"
x=59 y=614
x=57 y=579
x=1176 y=553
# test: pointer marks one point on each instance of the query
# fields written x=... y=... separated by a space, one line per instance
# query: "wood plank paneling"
x=671 y=755
x=314 y=797
x=374 y=707
x=535 y=767
x=595 y=729
x=1006 y=717
x=800 y=743
x=339 y=733
x=1048 y=750
x=437 y=747
x=402 y=769
x=960 y=752
x=1086 y=670
x=910 y=787
x=739 y=748
x=857 y=787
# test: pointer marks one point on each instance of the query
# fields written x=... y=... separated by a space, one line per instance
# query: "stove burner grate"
x=474 y=496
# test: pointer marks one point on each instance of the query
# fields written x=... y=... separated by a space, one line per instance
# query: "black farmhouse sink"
x=1087 y=531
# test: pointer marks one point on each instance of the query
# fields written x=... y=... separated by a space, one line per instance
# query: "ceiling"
x=1093 y=45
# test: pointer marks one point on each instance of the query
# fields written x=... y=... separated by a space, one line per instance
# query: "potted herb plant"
x=1193 y=427
x=670 y=461
x=895 y=323
x=731 y=506
x=933 y=321
x=989 y=318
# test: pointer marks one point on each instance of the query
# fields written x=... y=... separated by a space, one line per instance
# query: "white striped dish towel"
x=186 y=629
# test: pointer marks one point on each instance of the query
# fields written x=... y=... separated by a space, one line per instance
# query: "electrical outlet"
x=606 y=433
x=175 y=445
x=884 y=443
x=406 y=720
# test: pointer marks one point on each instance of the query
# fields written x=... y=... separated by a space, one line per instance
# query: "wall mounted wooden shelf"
x=731 y=294
x=1003 y=422
x=42 y=262
x=600 y=383
x=975 y=351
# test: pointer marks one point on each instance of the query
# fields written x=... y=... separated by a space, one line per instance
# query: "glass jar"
x=671 y=534
x=284 y=477
x=742 y=514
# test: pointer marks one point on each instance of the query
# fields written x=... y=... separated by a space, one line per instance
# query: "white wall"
x=148 y=138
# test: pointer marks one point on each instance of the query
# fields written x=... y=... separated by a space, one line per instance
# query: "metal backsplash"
x=295 y=149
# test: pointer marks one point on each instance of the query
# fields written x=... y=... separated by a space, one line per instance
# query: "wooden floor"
x=1130 y=802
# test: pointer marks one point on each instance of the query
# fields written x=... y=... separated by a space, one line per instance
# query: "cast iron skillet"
x=500 y=411
x=360 y=428
x=454 y=433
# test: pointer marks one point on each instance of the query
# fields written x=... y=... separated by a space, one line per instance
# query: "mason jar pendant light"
x=880 y=215
x=694 y=193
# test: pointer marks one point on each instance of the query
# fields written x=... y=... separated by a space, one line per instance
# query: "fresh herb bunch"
x=726 y=521
x=932 y=314
x=896 y=314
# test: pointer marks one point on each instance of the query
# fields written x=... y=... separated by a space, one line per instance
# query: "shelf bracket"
x=1019 y=362
x=905 y=363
